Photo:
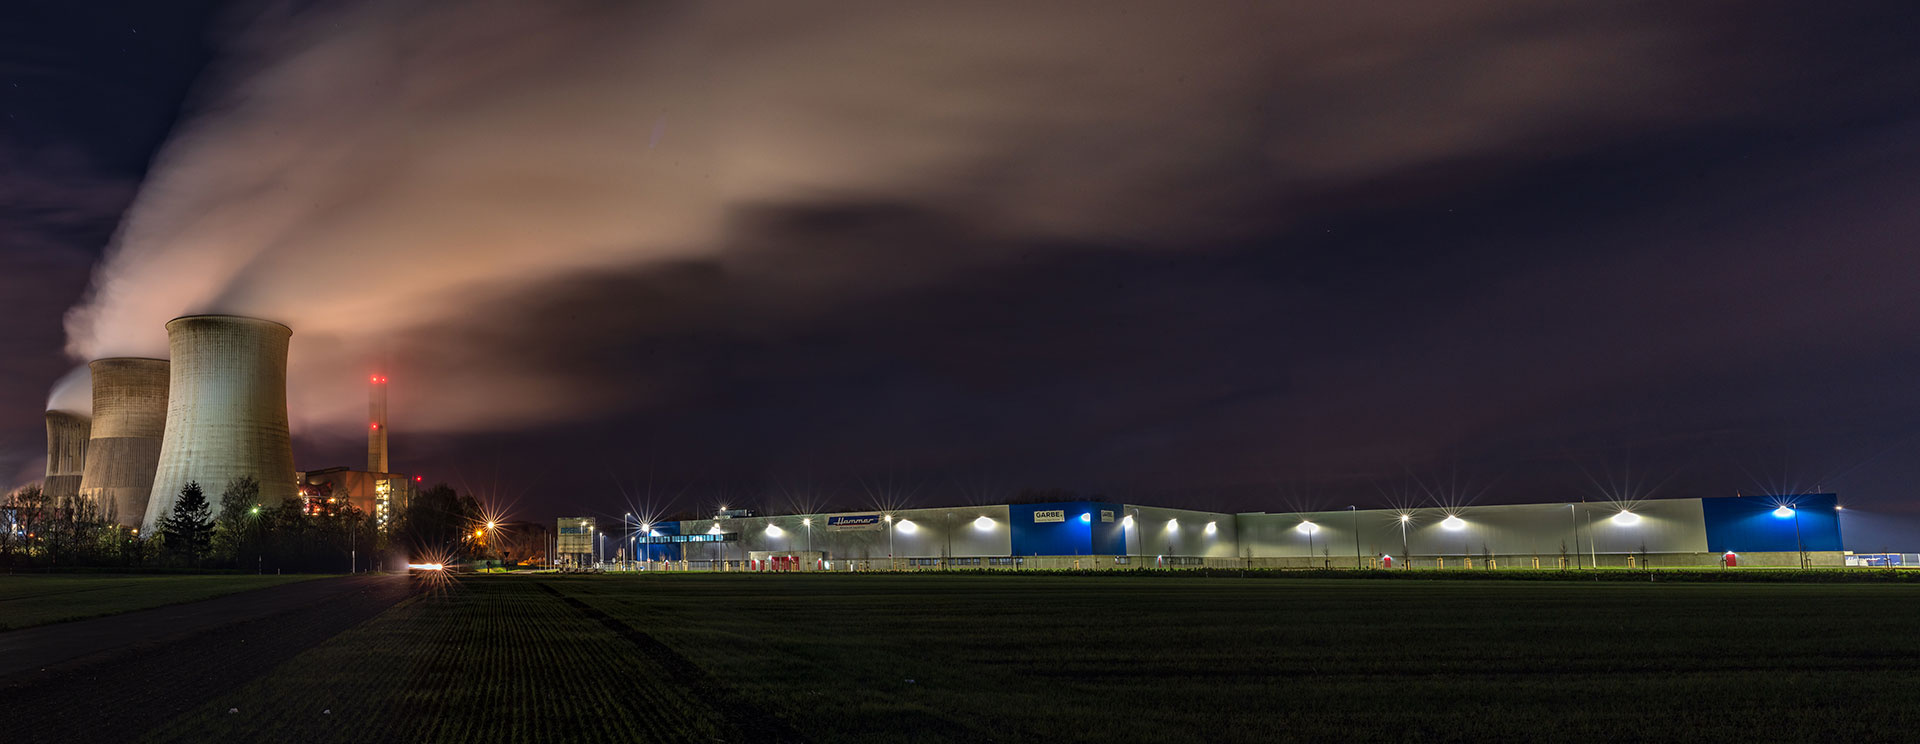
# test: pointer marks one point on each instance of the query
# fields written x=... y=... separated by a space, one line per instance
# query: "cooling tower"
x=129 y=411
x=66 y=453
x=226 y=412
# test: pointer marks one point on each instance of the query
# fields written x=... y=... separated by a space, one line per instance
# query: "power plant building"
x=123 y=446
x=380 y=496
x=1781 y=531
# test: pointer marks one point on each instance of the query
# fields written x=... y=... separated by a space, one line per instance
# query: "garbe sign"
x=1050 y=515
x=854 y=522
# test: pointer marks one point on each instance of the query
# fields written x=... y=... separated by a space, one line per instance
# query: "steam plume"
x=368 y=171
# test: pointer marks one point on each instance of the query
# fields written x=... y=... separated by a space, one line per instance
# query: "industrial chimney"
x=227 y=411
x=129 y=412
x=66 y=453
x=377 y=429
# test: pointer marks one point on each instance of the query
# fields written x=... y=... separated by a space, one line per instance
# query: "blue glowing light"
x=1088 y=518
x=1783 y=512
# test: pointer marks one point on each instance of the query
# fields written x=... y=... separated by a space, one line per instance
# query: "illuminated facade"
x=573 y=540
x=1778 y=531
x=380 y=496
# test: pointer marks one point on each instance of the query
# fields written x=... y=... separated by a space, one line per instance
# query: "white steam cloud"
x=363 y=173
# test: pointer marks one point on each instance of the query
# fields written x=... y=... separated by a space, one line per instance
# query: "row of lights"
x=983 y=524
x=1453 y=523
x=1306 y=527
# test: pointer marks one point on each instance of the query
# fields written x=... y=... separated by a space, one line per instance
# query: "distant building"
x=1739 y=531
x=381 y=496
x=573 y=541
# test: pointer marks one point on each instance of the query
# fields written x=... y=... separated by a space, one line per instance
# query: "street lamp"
x=890 y=564
x=807 y=522
x=1406 y=556
x=1573 y=515
x=1800 y=548
x=1307 y=528
x=1355 y=521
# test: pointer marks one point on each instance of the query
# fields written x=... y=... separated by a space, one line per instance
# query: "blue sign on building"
x=1762 y=524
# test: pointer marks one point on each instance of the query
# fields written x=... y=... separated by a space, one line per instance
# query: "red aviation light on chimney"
x=375 y=426
x=377 y=380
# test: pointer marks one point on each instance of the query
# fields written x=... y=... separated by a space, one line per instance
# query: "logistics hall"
x=1735 y=531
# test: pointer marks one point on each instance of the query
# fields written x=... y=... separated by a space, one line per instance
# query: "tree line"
x=40 y=531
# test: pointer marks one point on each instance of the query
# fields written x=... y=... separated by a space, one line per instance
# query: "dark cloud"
x=1488 y=250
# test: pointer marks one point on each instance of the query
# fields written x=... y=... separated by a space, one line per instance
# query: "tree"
x=438 y=521
x=189 y=528
x=236 y=530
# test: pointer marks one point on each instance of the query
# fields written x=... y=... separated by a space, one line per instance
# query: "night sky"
x=879 y=253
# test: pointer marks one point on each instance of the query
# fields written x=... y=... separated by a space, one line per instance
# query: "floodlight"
x=1783 y=512
x=983 y=524
x=1453 y=523
x=1306 y=528
x=1625 y=518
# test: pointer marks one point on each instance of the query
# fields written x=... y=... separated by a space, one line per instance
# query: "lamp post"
x=1406 y=556
x=890 y=564
x=1800 y=548
x=1355 y=521
x=1134 y=524
x=626 y=523
x=1574 y=516
x=807 y=522
x=1593 y=547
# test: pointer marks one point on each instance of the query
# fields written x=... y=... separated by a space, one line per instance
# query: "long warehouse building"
x=1781 y=531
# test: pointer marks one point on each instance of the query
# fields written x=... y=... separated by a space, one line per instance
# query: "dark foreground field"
x=1011 y=658
x=28 y=600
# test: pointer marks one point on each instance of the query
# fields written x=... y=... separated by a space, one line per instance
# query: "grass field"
x=28 y=600
x=1013 y=658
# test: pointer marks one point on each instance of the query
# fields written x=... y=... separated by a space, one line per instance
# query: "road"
x=119 y=675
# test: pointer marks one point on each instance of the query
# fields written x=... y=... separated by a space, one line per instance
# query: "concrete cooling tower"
x=66 y=453
x=226 y=411
x=129 y=411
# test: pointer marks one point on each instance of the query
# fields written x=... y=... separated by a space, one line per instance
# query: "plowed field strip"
x=485 y=658
x=757 y=725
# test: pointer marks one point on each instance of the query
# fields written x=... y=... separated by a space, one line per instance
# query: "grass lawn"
x=1017 y=658
x=38 y=599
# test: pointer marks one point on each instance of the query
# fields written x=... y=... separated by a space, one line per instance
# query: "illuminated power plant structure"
x=1779 y=531
x=67 y=434
x=226 y=410
x=217 y=411
x=129 y=418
